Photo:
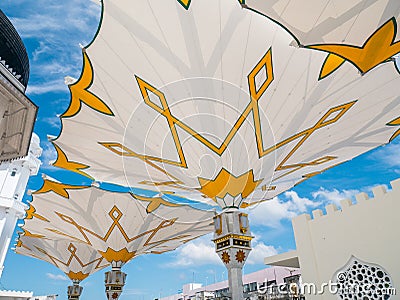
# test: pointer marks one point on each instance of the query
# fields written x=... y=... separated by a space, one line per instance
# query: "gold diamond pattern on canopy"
x=120 y=226
x=76 y=260
x=191 y=96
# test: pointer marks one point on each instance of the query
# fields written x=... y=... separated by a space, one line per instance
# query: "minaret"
x=14 y=177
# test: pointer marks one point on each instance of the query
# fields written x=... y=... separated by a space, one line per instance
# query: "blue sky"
x=52 y=32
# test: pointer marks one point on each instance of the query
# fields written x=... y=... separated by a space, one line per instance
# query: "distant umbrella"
x=76 y=260
x=120 y=226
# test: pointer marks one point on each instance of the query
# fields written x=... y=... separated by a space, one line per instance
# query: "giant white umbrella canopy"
x=226 y=105
x=120 y=226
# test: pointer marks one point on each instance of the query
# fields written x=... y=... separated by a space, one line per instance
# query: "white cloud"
x=334 y=196
x=259 y=252
x=87 y=283
x=388 y=155
x=202 y=252
x=42 y=49
x=54 y=16
x=57 y=277
x=57 y=85
x=197 y=252
x=73 y=21
x=53 y=121
x=299 y=204
x=272 y=213
x=135 y=292
x=48 y=156
x=290 y=204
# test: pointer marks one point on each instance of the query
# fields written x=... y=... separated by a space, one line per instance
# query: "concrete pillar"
x=236 y=282
x=74 y=291
x=232 y=240
x=115 y=281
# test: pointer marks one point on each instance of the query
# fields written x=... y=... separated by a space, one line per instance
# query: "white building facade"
x=17 y=111
x=351 y=253
x=263 y=284
x=14 y=176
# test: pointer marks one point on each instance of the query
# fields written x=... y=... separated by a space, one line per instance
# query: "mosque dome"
x=12 y=51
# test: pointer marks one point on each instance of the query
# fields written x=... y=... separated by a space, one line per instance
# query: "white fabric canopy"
x=120 y=226
x=76 y=260
x=218 y=103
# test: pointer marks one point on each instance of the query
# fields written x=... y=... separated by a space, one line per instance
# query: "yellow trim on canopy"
x=29 y=234
x=226 y=183
x=115 y=214
x=122 y=255
x=155 y=202
x=395 y=122
x=248 y=204
x=312 y=174
x=332 y=116
x=265 y=64
x=74 y=256
x=31 y=212
x=80 y=94
x=331 y=64
x=77 y=276
x=145 y=88
x=378 y=48
x=121 y=150
x=58 y=188
x=63 y=162
x=185 y=3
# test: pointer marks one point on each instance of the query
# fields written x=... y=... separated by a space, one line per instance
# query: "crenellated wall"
x=366 y=232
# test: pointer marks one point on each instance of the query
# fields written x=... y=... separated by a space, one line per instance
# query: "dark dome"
x=12 y=49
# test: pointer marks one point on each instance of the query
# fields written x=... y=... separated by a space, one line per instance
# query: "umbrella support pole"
x=74 y=290
x=114 y=281
x=232 y=241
